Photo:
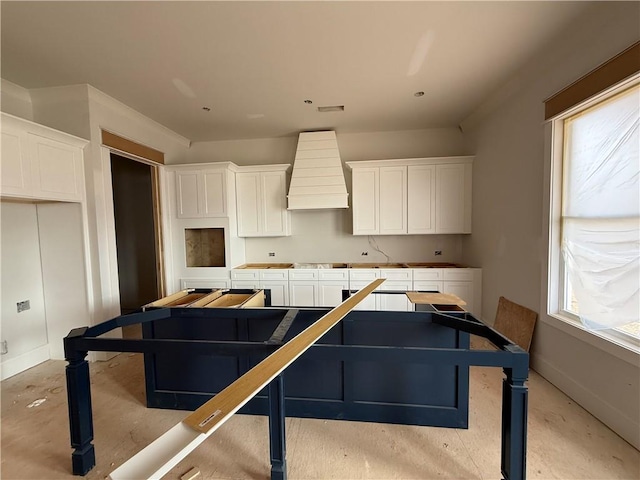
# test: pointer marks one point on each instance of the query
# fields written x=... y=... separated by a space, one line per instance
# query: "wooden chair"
x=515 y=322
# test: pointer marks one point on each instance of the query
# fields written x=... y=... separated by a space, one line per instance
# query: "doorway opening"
x=136 y=212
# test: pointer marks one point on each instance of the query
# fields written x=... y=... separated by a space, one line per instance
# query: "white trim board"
x=13 y=366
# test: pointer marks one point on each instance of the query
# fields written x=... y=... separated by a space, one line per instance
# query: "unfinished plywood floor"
x=564 y=441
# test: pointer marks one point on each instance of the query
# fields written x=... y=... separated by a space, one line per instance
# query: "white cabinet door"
x=56 y=169
x=15 y=170
x=303 y=293
x=421 y=199
x=395 y=302
x=187 y=194
x=214 y=193
x=365 y=200
x=248 y=204
x=428 y=286
x=261 y=203
x=275 y=217
x=392 y=203
x=453 y=198
x=330 y=292
x=201 y=193
x=464 y=290
x=251 y=284
x=279 y=291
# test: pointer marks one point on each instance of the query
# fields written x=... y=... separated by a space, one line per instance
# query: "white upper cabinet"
x=412 y=196
x=453 y=198
x=366 y=194
x=202 y=192
x=393 y=200
x=39 y=162
x=262 y=201
x=421 y=199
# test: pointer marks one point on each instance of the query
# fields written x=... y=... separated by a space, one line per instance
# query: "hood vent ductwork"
x=317 y=181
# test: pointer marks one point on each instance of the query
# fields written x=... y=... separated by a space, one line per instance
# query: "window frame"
x=555 y=284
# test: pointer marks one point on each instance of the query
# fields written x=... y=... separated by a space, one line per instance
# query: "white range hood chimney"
x=317 y=180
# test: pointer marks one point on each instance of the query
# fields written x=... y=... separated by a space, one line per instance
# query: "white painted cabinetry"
x=331 y=282
x=453 y=198
x=262 y=201
x=202 y=192
x=39 y=162
x=412 y=196
x=421 y=199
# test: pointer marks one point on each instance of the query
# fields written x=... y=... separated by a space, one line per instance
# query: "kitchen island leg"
x=277 y=441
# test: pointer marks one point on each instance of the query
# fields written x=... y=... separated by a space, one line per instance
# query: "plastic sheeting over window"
x=601 y=211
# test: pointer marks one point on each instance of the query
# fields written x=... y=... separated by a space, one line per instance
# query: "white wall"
x=353 y=147
x=21 y=279
x=63 y=271
x=510 y=216
x=15 y=100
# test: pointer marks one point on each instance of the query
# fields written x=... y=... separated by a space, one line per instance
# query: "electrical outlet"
x=22 y=306
x=364 y=253
x=438 y=252
x=4 y=349
x=272 y=254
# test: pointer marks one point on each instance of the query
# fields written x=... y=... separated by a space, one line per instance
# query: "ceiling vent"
x=317 y=181
x=332 y=108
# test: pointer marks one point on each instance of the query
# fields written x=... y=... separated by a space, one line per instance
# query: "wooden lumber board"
x=435 y=298
x=206 y=299
x=186 y=300
x=164 y=301
x=255 y=301
x=232 y=398
x=230 y=300
x=158 y=458
x=515 y=322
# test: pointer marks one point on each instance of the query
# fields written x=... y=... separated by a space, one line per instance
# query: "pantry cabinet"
x=412 y=196
x=262 y=201
x=40 y=163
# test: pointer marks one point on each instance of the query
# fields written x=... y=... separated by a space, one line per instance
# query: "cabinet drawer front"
x=363 y=274
x=331 y=274
x=273 y=274
x=428 y=286
x=428 y=274
x=204 y=283
x=396 y=274
x=459 y=274
x=244 y=274
x=303 y=274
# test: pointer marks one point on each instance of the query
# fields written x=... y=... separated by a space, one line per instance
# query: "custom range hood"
x=317 y=181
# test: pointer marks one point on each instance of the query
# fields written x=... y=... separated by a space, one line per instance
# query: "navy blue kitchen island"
x=378 y=366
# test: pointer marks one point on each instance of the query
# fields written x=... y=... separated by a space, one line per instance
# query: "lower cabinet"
x=394 y=302
x=279 y=291
x=303 y=293
x=330 y=292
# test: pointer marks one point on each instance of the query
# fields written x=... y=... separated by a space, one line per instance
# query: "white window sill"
x=628 y=351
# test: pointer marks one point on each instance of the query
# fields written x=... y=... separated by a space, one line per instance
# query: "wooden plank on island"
x=435 y=298
x=162 y=455
x=164 y=301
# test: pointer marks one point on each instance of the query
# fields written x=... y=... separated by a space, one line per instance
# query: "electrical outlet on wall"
x=4 y=348
x=437 y=252
x=364 y=253
x=22 y=306
x=272 y=254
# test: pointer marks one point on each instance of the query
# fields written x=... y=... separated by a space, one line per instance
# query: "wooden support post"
x=514 y=423
x=83 y=457
x=277 y=443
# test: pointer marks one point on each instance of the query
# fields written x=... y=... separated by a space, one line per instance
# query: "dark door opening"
x=133 y=205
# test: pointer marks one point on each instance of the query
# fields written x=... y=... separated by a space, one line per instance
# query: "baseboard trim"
x=13 y=366
x=611 y=416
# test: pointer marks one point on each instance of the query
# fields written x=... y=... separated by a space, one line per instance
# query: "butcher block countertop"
x=350 y=265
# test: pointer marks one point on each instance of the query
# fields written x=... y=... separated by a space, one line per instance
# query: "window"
x=595 y=267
